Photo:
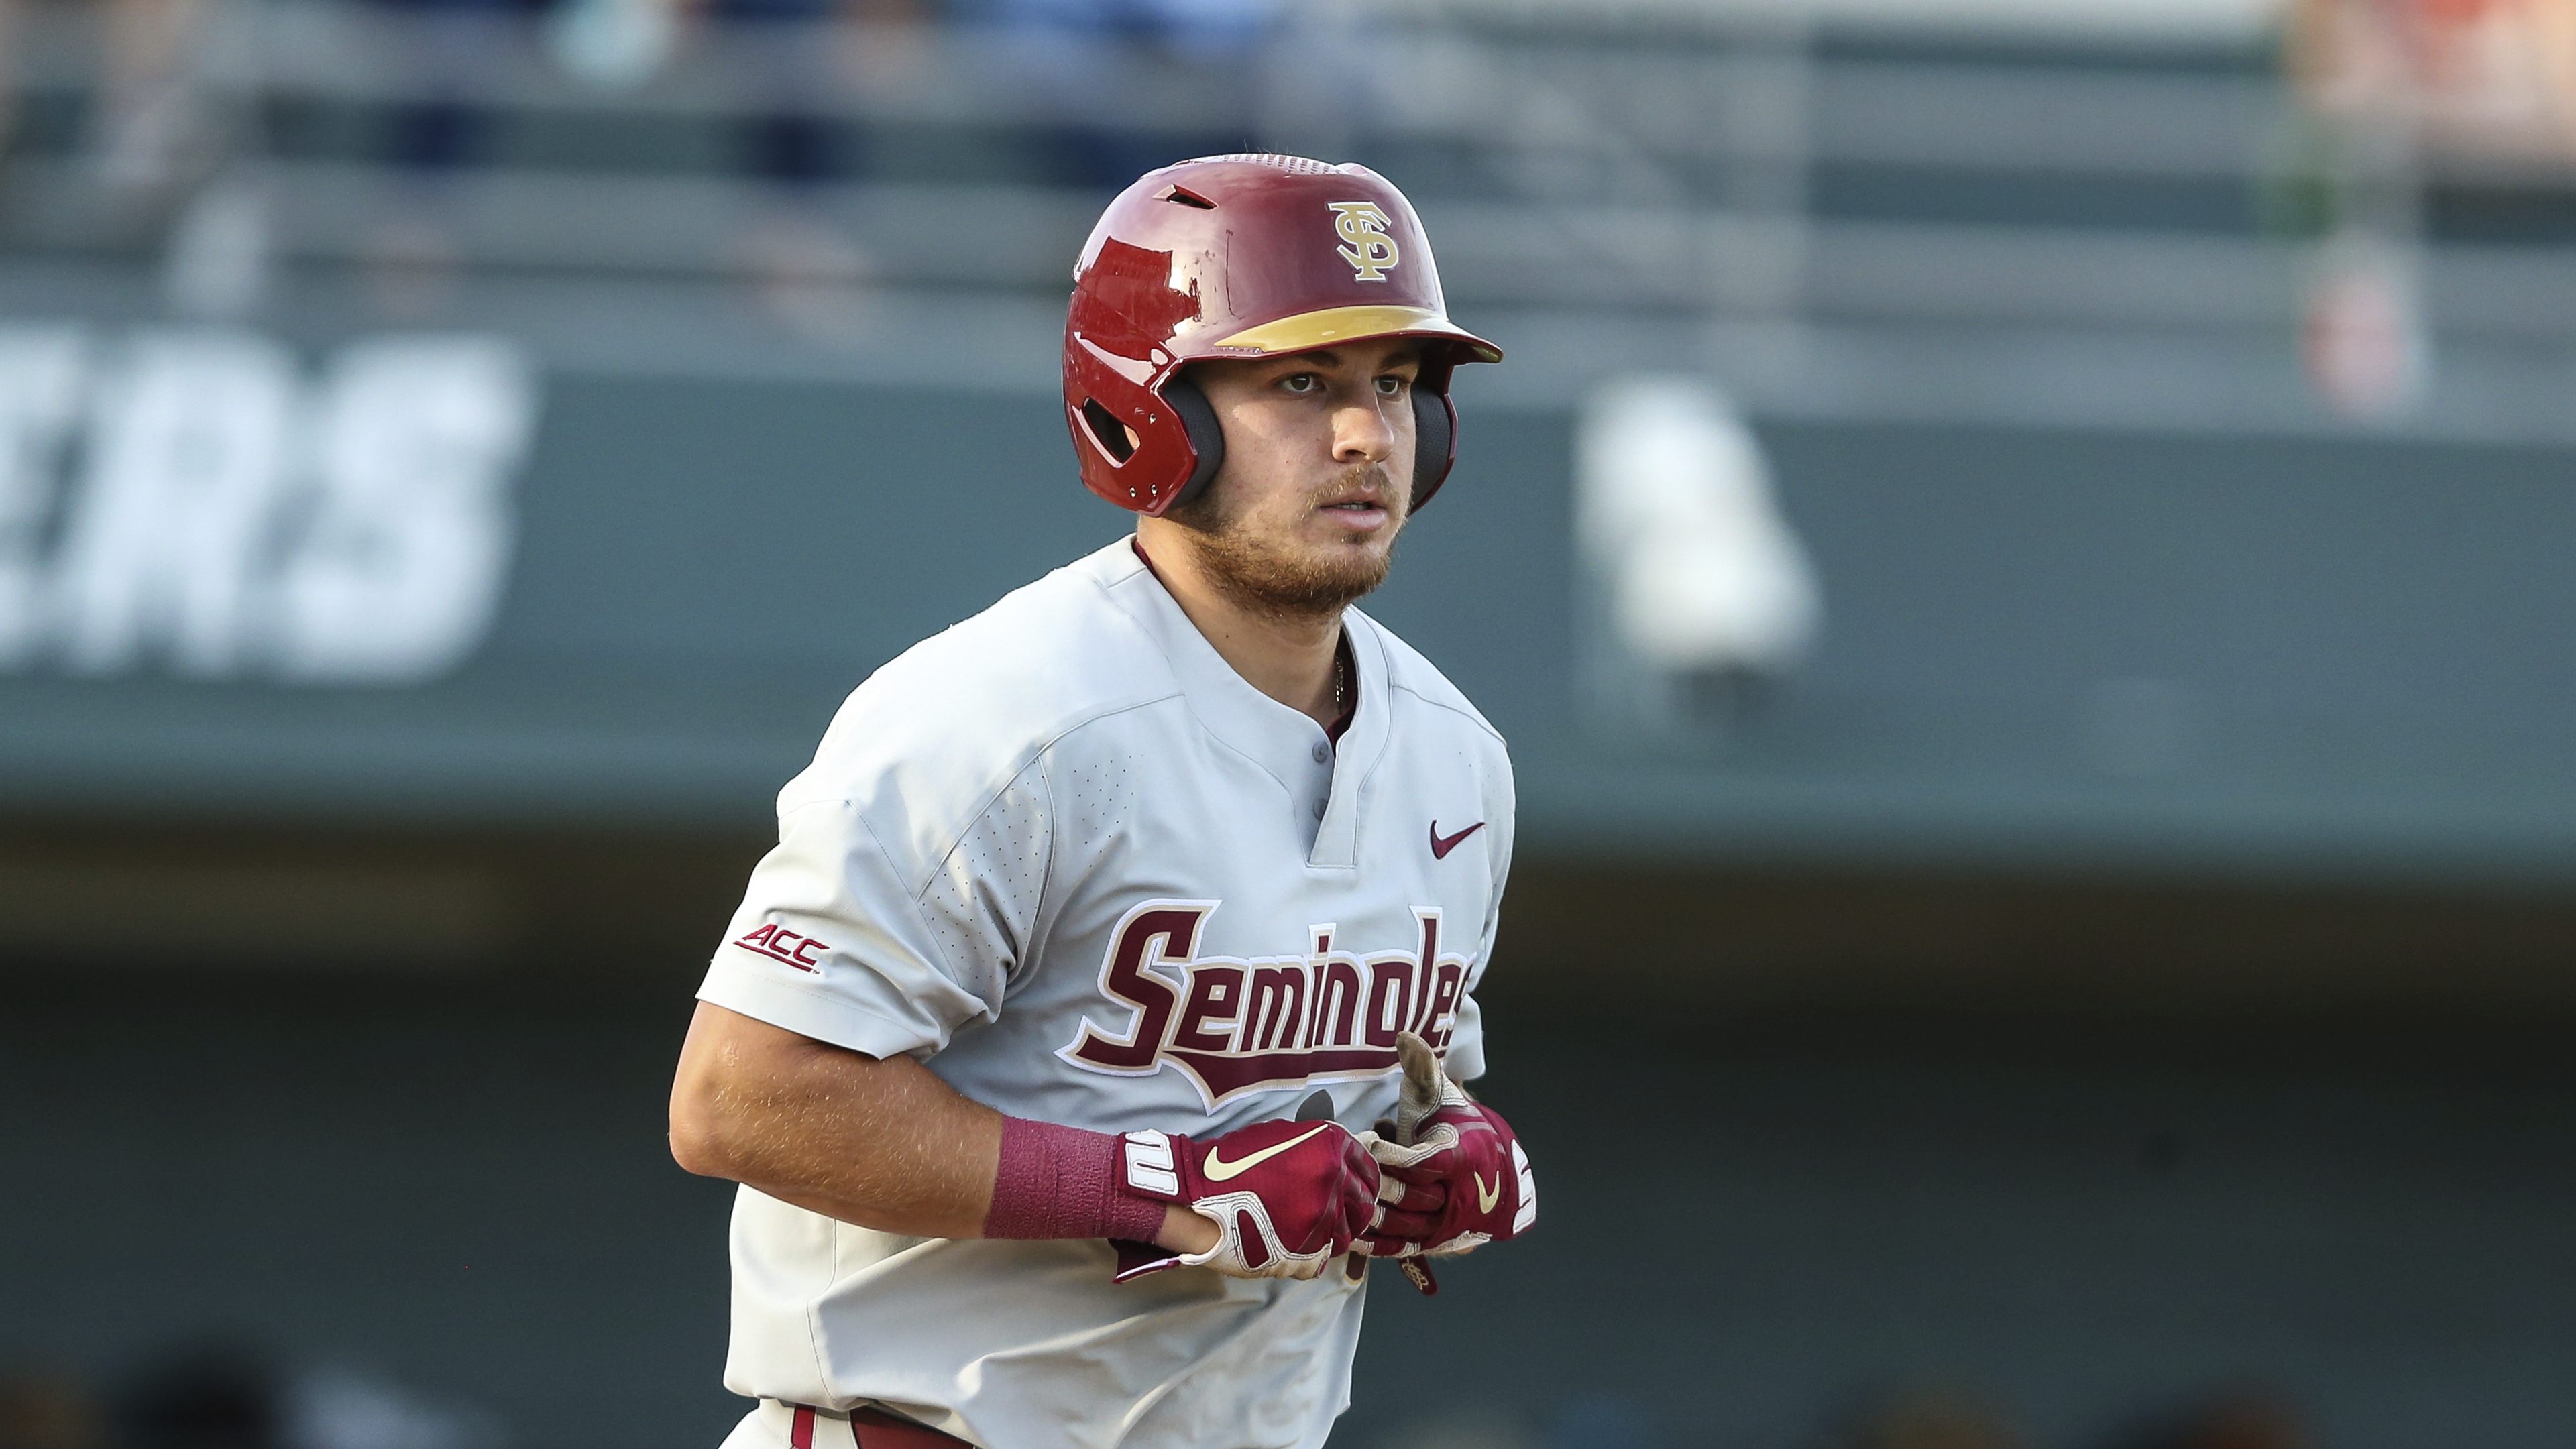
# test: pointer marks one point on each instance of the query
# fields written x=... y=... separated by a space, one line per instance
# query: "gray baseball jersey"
x=1068 y=858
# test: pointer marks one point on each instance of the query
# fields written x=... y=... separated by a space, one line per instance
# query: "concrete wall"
x=2294 y=655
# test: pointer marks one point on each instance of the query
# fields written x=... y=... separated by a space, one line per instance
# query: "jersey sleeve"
x=881 y=947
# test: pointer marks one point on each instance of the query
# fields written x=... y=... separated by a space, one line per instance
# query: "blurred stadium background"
x=2023 y=549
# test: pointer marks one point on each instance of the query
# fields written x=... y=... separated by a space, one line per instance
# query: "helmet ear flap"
x=1435 y=442
x=1207 y=440
x=1435 y=436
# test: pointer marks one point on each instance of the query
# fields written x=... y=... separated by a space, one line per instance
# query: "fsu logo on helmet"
x=1365 y=244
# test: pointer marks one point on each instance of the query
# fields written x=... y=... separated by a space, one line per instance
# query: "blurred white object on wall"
x=1694 y=586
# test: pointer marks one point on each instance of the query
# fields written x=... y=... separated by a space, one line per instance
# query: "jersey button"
x=1323 y=753
x=1319 y=809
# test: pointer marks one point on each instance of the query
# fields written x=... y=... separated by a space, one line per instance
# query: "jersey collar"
x=1284 y=742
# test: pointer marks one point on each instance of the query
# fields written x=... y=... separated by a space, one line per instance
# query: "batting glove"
x=1455 y=1175
x=1286 y=1197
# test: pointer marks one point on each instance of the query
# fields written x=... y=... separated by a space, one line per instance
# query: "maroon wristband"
x=1062 y=1182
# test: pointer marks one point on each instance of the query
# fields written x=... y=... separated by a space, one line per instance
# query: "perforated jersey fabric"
x=1066 y=857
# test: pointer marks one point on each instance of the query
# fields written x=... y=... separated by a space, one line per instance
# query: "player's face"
x=1318 y=470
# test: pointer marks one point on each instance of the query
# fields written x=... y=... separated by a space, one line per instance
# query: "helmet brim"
x=1307 y=331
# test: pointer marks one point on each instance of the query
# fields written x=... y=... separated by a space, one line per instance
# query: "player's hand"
x=1455 y=1175
x=1286 y=1197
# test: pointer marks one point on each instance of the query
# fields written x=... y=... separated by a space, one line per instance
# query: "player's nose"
x=1362 y=434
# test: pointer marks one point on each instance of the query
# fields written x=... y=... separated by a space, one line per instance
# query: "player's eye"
x=1301 y=383
x=1393 y=386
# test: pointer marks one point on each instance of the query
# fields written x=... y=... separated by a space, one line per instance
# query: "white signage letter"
x=187 y=445
x=399 y=572
x=40 y=380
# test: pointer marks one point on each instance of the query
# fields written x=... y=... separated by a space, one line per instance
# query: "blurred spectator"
x=2470 y=75
x=205 y=1396
x=1457 y=1430
x=1932 y=1419
x=1322 y=71
x=1081 y=63
x=1463 y=1429
x=147 y=109
x=42 y=1410
x=2245 y=1420
x=791 y=137
x=9 y=79
x=219 y=1394
x=797 y=141
x=441 y=124
x=444 y=120
x=612 y=44
x=1602 y=1421
x=150 y=108
x=2364 y=337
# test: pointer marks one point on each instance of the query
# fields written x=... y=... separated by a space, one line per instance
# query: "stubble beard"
x=1256 y=570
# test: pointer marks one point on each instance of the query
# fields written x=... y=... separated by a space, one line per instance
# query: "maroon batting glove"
x=1469 y=1154
x=1286 y=1197
x=1407 y=1212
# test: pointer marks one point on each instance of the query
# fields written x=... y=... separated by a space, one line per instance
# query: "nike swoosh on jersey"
x=1218 y=1169
x=1441 y=845
x=1486 y=1197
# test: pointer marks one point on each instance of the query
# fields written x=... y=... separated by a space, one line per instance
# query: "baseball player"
x=1097 y=1017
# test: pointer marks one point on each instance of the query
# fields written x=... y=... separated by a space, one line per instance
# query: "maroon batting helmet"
x=1242 y=256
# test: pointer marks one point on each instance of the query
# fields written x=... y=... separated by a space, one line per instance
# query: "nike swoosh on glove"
x=1456 y=1177
x=1286 y=1197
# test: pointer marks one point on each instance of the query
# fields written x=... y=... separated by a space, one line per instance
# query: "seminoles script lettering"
x=1236 y=1026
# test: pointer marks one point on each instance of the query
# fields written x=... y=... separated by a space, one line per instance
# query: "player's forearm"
x=880 y=1143
x=883 y=1144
